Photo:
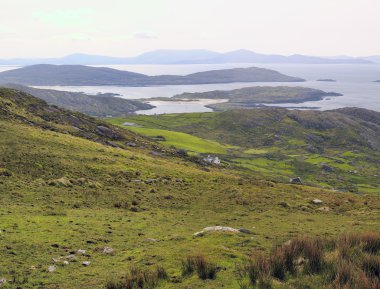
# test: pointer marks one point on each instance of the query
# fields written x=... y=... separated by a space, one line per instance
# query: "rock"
x=65 y=262
x=327 y=168
x=324 y=209
x=82 y=252
x=221 y=229
x=71 y=257
x=131 y=144
x=150 y=240
x=2 y=281
x=150 y=181
x=107 y=132
x=108 y=250
x=86 y=263
x=283 y=204
x=317 y=202
x=199 y=234
x=245 y=231
x=296 y=181
x=62 y=182
x=52 y=269
x=5 y=173
x=212 y=160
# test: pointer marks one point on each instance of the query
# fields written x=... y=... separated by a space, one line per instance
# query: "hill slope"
x=101 y=105
x=63 y=190
x=338 y=149
x=84 y=75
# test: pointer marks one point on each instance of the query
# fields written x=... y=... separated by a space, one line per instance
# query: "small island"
x=251 y=97
x=326 y=80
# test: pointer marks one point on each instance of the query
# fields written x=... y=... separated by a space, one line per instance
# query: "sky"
x=53 y=28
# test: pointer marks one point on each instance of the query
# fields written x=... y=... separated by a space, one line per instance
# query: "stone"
x=327 y=168
x=317 y=202
x=108 y=250
x=65 y=262
x=2 y=281
x=82 y=252
x=245 y=231
x=296 y=181
x=52 y=269
x=107 y=132
x=324 y=209
x=283 y=204
x=221 y=229
x=71 y=257
x=86 y=263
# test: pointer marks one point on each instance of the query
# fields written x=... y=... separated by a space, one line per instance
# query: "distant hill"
x=196 y=56
x=46 y=74
x=374 y=58
x=101 y=105
x=249 y=97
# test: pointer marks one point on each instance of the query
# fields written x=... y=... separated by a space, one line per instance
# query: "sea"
x=354 y=81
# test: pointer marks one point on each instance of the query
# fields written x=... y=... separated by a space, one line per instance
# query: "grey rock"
x=108 y=250
x=317 y=202
x=52 y=269
x=86 y=263
x=296 y=181
x=245 y=231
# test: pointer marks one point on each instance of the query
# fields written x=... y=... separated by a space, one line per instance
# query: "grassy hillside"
x=336 y=149
x=100 y=105
x=68 y=186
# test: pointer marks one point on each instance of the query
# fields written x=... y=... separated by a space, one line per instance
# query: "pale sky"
x=53 y=28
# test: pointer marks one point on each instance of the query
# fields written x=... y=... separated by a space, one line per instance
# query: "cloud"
x=144 y=35
x=66 y=17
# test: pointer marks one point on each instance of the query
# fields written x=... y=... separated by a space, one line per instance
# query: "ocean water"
x=355 y=82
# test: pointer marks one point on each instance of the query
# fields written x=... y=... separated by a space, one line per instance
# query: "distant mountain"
x=46 y=74
x=240 y=56
x=101 y=105
x=375 y=58
x=196 y=56
x=174 y=57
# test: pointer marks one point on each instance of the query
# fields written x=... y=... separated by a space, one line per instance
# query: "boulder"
x=108 y=250
x=324 y=209
x=86 y=263
x=52 y=269
x=107 y=132
x=327 y=168
x=296 y=181
x=221 y=229
x=317 y=202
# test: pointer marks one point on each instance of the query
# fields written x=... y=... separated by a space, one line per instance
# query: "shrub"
x=200 y=265
x=371 y=266
x=136 y=278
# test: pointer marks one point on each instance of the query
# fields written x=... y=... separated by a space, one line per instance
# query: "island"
x=327 y=80
x=250 y=97
x=80 y=75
